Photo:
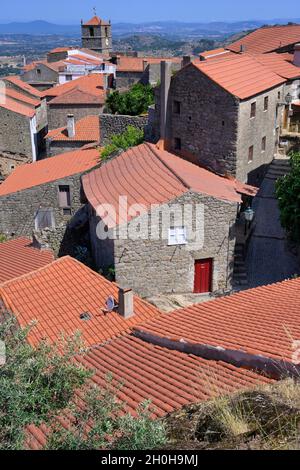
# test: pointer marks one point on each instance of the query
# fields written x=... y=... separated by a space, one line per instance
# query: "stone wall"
x=251 y=132
x=9 y=161
x=207 y=123
x=125 y=80
x=58 y=147
x=111 y=124
x=101 y=41
x=152 y=267
x=15 y=136
x=17 y=210
x=58 y=113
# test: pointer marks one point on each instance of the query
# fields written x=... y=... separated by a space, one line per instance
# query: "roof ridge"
x=167 y=166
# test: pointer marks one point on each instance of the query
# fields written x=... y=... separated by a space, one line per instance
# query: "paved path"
x=269 y=259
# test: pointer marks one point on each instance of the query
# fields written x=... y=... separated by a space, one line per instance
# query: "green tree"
x=133 y=102
x=39 y=384
x=130 y=138
x=288 y=194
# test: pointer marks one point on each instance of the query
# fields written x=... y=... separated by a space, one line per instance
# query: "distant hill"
x=165 y=28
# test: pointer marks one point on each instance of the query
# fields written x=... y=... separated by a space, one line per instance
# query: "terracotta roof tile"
x=16 y=107
x=50 y=169
x=80 y=96
x=18 y=257
x=147 y=175
x=282 y=64
x=168 y=379
x=20 y=97
x=262 y=321
x=91 y=84
x=136 y=64
x=57 y=294
x=96 y=21
x=241 y=75
x=268 y=39
x=87 y=129
x=23 y=85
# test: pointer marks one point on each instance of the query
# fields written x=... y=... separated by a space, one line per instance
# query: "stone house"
x=83 y=97
x=23 y=124
x=42 y=75
x=44 y=194
x=73 y=136
x=163 y=224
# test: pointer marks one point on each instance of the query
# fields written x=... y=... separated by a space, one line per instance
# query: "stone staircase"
x=279 y=167
x=240 y=277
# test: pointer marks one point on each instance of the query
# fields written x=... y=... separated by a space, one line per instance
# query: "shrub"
x=130 y=138
x=133 y=102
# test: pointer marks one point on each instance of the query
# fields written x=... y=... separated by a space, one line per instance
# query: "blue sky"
x=71 y=11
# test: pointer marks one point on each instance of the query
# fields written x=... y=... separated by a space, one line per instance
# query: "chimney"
x=125 y=308
x=242 y=48
x=166 y=74
x=38 y=242
x=186 y=60
x=296 y=61
x=145 y=64
x=71 y=125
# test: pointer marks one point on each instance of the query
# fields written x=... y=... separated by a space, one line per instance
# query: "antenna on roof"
x=110 y=304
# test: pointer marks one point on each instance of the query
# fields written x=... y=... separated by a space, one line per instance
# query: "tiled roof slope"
x=96 y=21
x=16 y=107
x=59 y=293
x=24 y=86
x=50 y=169
x=282 y=64
x=136 y=64
x=18 y=257
x=268 y=39
x=263 y=321
x=147 y=175
x=20 y=97
x=92 y=83
x=169 y=379
x=80 y=96
x=87 y=129
x=241 y=75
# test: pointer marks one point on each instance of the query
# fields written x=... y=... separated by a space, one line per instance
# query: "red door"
x=203 y=276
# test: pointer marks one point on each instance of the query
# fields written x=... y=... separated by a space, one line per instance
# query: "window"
x=177 y=236
x=38 y=71
x=176 y=107
x=177 y=143
x=92 y=32
x=253 y=110
x=69 y=78
x=279 y=95
x=263 y=144
x=64 y=197
x=250 y=154
x=106 y=32
x=44 y=219
x=266 y=103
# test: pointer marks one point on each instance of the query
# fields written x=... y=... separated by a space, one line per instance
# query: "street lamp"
x=249 y=216
x=288 y=99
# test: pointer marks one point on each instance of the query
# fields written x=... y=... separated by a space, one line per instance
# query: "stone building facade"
x=10 y=161
x=112 y=124
x=152 y=267
x=58 y=113
x=18 y=211
x=210 y=126
x=41 y=75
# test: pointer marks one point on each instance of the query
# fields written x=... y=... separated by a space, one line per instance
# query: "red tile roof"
x=80 y=96
x=215 y=53
x=51 y=169
x=263 y=321
x=57 y=294
x=96 y=21
x=23 y=85
x=18 y=257
x=282 y=64
x=16 y=107
x=268 y=39
x=241 y=75
x=147 y=175
x=169 y=379
x=91 y=84
x=87 y=129
x=136 y=64
x=20 y=97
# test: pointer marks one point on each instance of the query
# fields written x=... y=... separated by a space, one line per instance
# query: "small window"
x=263 y=144
x=38 y=71
x=106 y=32
x=279 y=95
x=176 y=107
x=253 y=110
x=12 y=167
x=177 y=143
x=250 y=154
x=92 y=32
x=266 y=103
x=44 y=219
x=177 y=236
x=64 y=197
x=69 y=78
